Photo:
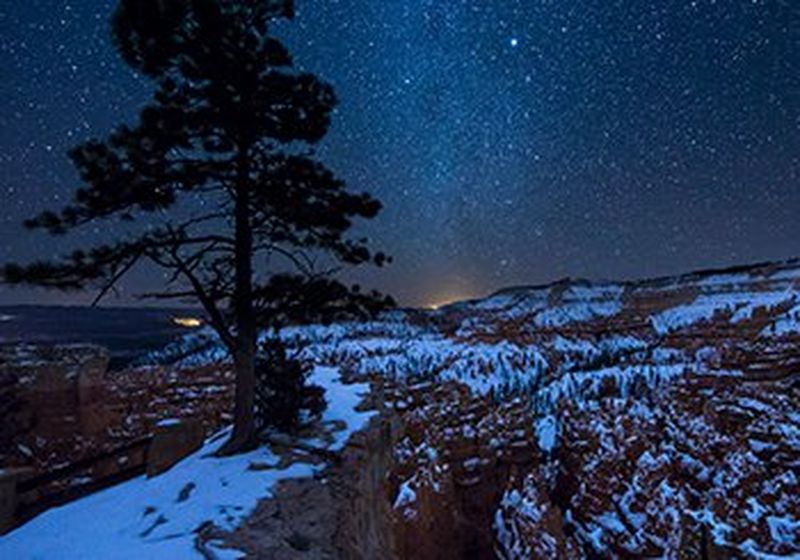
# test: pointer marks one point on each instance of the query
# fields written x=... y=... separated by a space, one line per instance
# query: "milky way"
x=511 y=142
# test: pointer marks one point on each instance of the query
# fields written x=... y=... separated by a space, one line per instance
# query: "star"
x=646 y=126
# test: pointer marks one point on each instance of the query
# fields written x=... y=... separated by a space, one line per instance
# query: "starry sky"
x=511 y=142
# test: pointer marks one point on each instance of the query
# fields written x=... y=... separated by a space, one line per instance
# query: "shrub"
x=283 y=397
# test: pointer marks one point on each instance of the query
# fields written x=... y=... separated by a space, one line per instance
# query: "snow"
x=495 y=302
x=577 y=311
x=581 y=386
x=791 y=273
x=342 y=401
x=783 y=529
x=565 y=345
x=406 y=496
x=157 y=517
x=611 y=522
x=682 y=316
x=767 y=300
x=786 y=323
x=533 y=302
x=756 y=510
x=546 y=431
x=725 y=279
x=704 y=307
x=607 y=291
x=551 y=365
x=146 y=517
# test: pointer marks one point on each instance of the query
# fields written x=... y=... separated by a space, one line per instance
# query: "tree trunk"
x=243 y=437
x=244 y=430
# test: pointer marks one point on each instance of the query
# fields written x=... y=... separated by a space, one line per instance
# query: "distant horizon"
x=111 y=304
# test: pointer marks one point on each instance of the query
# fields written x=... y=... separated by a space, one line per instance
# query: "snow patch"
x=158 y=517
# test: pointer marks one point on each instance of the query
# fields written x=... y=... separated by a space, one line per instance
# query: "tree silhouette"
x=217 y=183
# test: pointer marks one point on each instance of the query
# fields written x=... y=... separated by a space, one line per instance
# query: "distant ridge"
x=764 y=268
x=127 y=332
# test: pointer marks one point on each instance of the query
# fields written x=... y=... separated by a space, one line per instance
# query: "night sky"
x=511 y=142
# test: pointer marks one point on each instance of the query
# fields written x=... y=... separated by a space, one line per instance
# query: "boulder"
x=173 y=440
x=9 y=497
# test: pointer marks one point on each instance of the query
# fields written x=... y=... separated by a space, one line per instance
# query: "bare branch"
x=114 y=279
x=208 y=302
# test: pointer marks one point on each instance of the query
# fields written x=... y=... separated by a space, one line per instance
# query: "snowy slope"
x=158 y=517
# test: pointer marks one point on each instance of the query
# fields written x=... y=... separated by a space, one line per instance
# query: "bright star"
x=514 y=41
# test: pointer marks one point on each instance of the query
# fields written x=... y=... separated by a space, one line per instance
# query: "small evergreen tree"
x=282 y=391
x=218 y=182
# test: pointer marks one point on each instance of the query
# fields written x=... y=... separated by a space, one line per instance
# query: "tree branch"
x=115 y=278
x=208 y=302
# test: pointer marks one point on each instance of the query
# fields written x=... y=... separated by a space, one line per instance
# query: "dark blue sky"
x=511 y=142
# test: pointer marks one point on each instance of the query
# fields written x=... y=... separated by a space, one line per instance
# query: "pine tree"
x=218 y=182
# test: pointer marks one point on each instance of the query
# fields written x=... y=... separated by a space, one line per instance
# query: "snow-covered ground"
x=567 y=346
x=150 y=518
